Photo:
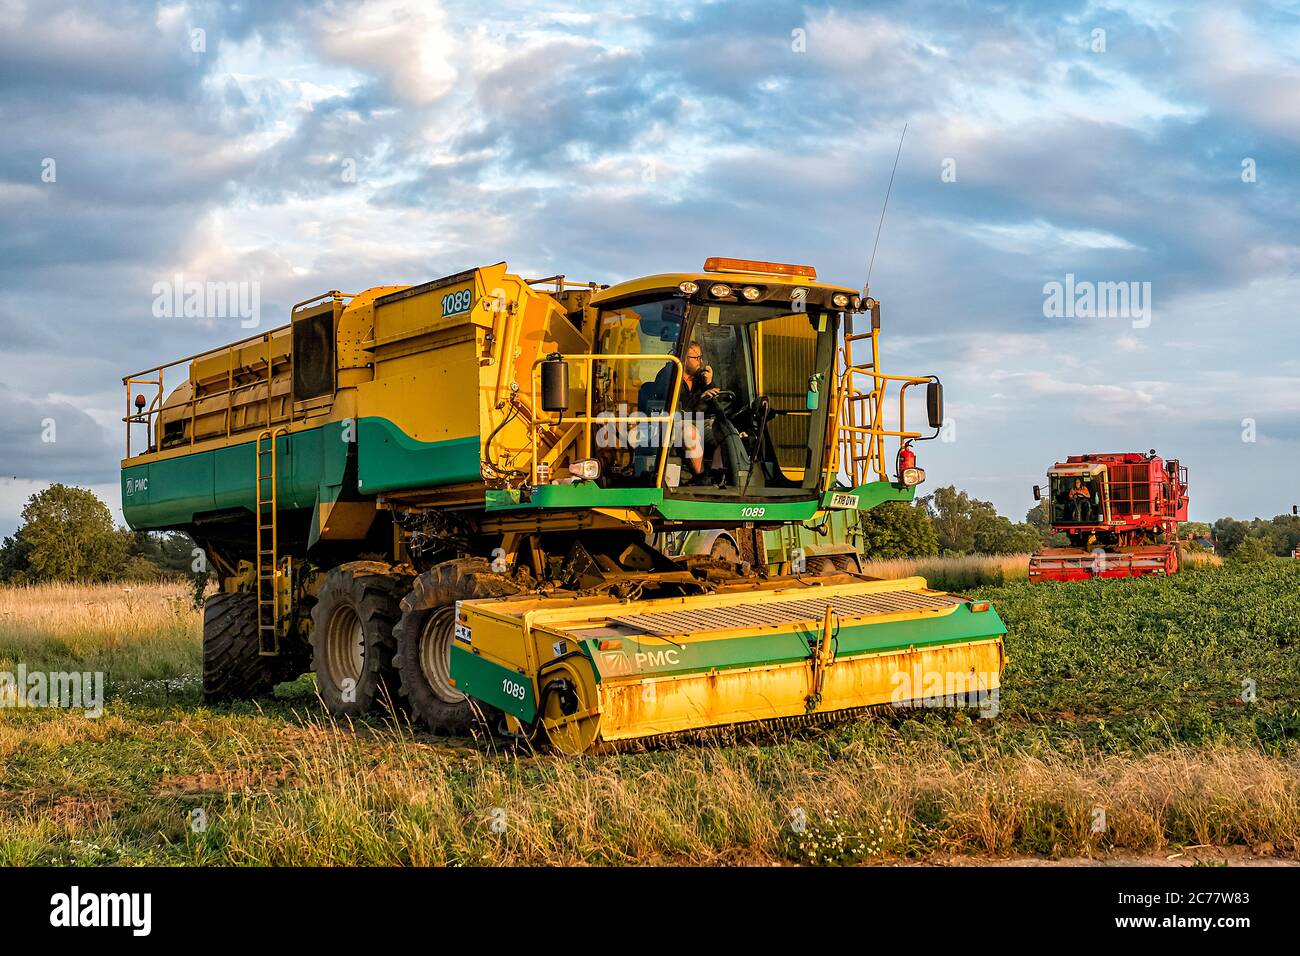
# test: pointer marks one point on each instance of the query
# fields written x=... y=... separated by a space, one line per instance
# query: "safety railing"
x=586 y=420
x=860 y=432
x=154 y=378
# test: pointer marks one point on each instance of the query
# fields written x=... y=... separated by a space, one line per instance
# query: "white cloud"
x=408 y=42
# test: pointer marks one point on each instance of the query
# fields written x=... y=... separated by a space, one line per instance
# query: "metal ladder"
x=859 y=444
x=269 y=610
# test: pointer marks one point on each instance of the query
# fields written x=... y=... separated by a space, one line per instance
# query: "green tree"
x=1228 y=534
x=897 y=530
x=1288 y=528
x=68 y=535
x=13 y=557
x=1252 y=551
x=956 y=516
x=170 y=552
x=999 y=535
x=1037 y=518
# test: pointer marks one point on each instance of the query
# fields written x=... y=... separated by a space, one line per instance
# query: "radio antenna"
x=872 y=264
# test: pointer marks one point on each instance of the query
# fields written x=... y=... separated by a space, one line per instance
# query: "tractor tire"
x=849 y=561
x=819 y=565
x=352 y=636
x=424 y=636
x=724 y=549
x=232 y=667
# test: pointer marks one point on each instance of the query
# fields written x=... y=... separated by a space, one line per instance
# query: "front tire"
x=352 y=636
x=425 y=633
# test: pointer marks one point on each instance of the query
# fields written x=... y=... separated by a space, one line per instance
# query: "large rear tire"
x=232 y=667
x=352 y=636
x=425 y=633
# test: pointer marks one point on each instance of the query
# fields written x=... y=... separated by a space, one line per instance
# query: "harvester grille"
x=811 y=611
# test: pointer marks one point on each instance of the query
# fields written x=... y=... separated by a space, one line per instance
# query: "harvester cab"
x=449 y=495
x=1120 y=513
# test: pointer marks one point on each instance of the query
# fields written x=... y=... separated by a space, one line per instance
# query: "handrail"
x=858 y=442
x=586 y=420
x=332 y=294
x=209 y=353
x=149 y=417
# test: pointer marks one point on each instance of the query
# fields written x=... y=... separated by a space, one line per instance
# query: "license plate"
x=840 y=500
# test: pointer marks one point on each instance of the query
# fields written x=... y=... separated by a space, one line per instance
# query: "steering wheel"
x=724 y=400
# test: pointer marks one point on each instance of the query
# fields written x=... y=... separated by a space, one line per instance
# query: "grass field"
x=1170 y=706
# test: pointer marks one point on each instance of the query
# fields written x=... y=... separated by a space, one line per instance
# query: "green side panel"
x=676 y=509
x=873 y=493
x=390 y=460
x=588 y=494
x=583 y=494
x=169 y=493
x=491 y=683
x=656 y=656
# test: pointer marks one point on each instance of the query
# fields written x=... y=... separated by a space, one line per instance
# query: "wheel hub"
x=435 y=654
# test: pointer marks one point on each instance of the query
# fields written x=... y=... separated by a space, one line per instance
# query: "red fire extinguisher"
x=906 y=459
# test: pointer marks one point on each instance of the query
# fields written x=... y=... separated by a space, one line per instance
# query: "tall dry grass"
x=131 y=631
x=955 y=573
x=325 y=794
x=1198 y=558
x=344 y=802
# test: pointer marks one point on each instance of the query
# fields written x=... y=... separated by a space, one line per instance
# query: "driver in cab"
x=696 y=389
x=1080 y=500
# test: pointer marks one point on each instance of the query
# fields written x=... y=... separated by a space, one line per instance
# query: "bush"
x=1252 y=551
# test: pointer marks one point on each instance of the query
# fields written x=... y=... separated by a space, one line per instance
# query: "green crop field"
x=1137 y=717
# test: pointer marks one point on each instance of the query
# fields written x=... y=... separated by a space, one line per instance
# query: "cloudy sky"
x=314 y=146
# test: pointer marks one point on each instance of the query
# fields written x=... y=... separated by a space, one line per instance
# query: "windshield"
x=751 y=399
x=1076 y=499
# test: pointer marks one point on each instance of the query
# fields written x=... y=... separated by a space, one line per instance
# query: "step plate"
x=672 y=622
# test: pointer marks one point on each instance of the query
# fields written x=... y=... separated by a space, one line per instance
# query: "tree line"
x=951 y=522
x=67 y=535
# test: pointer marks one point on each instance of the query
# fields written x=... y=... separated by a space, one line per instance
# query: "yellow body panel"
x=648 y=707
x=630 y=700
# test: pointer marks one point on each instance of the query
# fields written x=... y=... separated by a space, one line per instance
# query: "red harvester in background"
x=1121 y=513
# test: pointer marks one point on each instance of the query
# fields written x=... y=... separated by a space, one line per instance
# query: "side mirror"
x=1038 y=493
x=934 y=403
x=555 y=384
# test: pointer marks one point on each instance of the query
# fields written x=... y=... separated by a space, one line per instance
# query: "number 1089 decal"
x=454 y=303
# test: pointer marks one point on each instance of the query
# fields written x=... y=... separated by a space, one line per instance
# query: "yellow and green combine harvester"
x=461 y=496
